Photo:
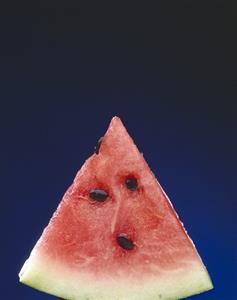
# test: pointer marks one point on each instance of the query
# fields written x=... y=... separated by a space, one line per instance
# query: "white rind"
x=55 y=279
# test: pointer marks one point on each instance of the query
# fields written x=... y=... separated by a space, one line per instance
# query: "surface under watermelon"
x=79 y=255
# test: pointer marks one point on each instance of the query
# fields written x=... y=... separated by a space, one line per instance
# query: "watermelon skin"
x=77 y=256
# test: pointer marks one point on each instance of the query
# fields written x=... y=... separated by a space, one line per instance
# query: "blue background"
x=166 y=71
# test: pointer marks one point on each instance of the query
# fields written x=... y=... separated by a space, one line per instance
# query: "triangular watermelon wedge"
x=115 y=234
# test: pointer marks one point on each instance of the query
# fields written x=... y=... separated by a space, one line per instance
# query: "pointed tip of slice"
x=115 y=120
x=117 y=125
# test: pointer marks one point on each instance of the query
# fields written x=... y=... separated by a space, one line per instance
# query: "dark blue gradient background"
x=65 y=71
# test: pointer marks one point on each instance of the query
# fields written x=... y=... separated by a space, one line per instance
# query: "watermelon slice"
x=115 y=234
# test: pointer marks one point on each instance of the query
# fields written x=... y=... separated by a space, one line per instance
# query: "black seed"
x=98 y=195
x=97 y=147
x=124 y=242
x=131 y=183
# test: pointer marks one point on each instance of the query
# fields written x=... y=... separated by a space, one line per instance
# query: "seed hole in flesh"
x=131 y=183
x=98 y=195
x=97 y=147
x=124 y=242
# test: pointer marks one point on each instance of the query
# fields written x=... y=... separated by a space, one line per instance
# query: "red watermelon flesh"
x=130 y=245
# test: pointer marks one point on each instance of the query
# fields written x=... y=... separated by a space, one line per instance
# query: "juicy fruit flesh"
x=84 y=242
x=82 y=235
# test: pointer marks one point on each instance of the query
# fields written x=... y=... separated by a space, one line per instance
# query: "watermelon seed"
x=98 y=195
x=124 y=242
x=97 y=147
x=131 y=183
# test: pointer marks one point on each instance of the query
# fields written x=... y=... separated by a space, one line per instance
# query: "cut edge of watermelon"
x=57 y=280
